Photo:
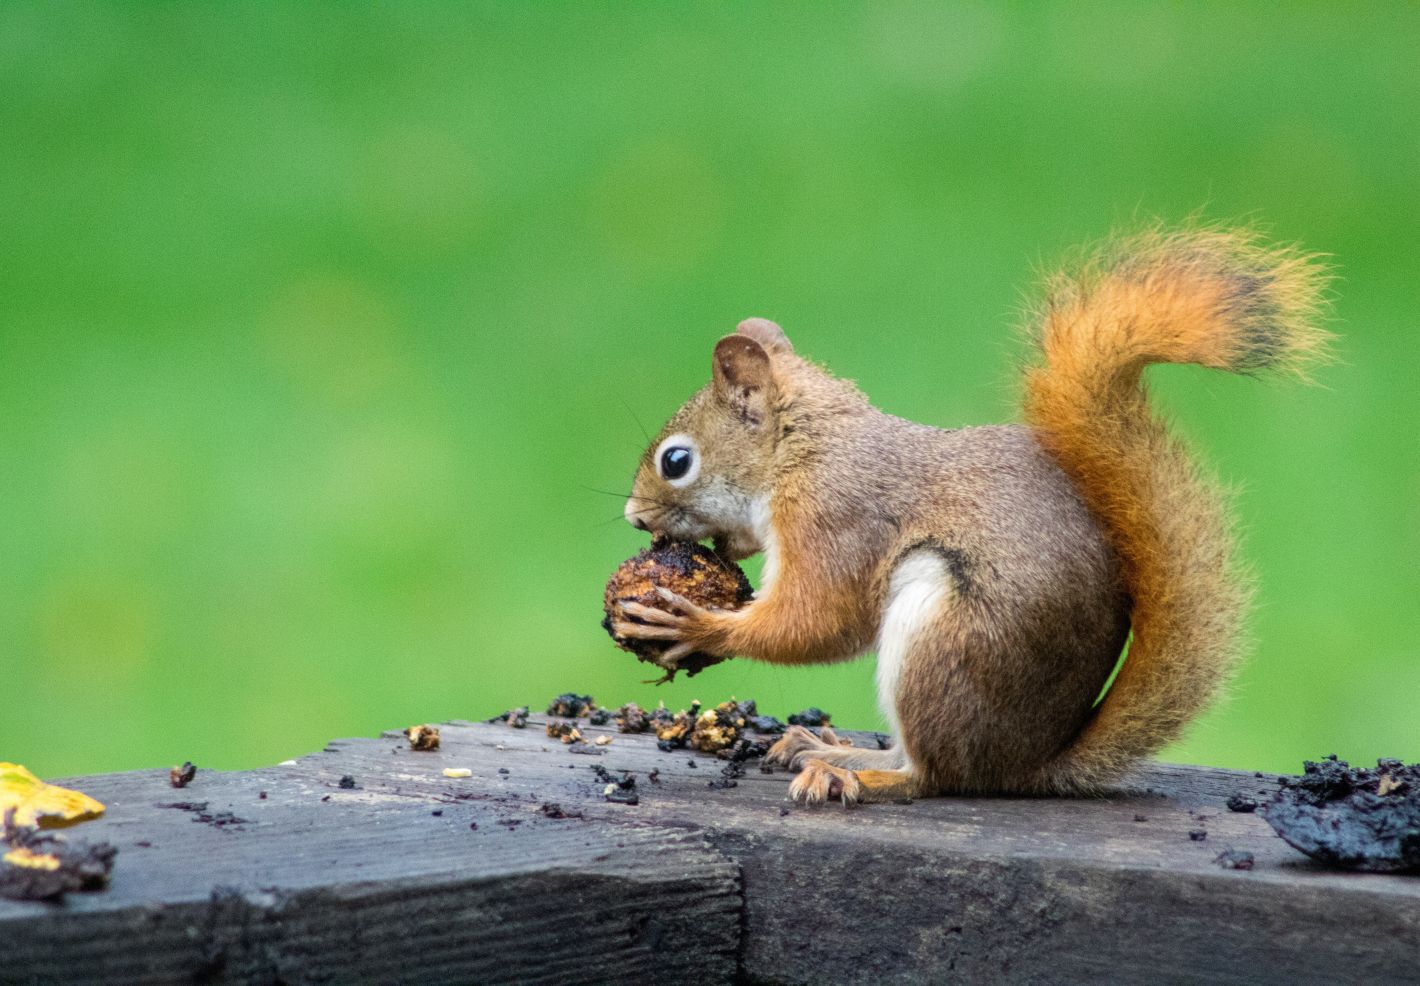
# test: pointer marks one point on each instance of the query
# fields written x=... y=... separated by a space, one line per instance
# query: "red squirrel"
x=997 y=571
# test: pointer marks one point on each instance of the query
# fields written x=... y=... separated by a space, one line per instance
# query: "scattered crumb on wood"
x=423 y=737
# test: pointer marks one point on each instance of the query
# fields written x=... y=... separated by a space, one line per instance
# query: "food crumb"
x=566 y=731
x=570 y=705
x=44 y=866
x=182 y=776
x=717 y=728
x=673 y=731
x=602 y=740
x=631 y=719
x=423 y=738
x=457 y=772
x=554 y=810
x=620 y=790
x=515 y=718
x=1241 y=802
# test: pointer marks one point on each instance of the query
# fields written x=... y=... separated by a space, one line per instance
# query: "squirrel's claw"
x=640 y=631
x=652 y=615
x=672 y=657
x=680 y=604
x=819 y=783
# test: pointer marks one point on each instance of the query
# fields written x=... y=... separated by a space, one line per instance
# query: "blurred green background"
x=319 y=321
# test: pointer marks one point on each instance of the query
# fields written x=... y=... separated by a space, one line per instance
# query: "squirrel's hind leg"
x=920 y=589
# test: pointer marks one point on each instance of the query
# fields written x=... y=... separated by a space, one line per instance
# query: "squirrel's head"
x=709 y=472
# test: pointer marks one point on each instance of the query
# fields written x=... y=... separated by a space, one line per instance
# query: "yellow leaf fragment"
x=457 y=772
x=1388 y=784
x=31 y=860
x=36 y=803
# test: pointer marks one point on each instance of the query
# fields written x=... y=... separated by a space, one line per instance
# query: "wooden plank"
x=695 y=880
x=371 y=886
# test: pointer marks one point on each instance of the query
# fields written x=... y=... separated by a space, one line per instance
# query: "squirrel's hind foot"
x=798 y=745
x=820 y=782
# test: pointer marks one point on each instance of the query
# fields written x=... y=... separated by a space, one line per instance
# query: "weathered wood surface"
x=694 y=884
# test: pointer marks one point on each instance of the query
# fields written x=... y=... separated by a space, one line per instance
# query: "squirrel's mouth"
x=681 y=523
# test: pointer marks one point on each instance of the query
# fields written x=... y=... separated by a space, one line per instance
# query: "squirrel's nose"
x=633 y=514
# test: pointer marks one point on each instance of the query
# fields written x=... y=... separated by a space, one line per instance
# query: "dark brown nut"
x=686 y=568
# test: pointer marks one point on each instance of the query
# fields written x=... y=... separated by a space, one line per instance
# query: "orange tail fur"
x=1216 y=298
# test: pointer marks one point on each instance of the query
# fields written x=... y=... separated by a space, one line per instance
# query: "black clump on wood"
x=1351 y=817
x=570 y=705
x=81 y=865
x=619 y=790
x=515 y=718
x=1241 y=802
x=812 y=716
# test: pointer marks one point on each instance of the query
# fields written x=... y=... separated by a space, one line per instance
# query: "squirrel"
x=997 y=571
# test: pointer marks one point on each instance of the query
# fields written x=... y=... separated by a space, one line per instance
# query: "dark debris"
x=630 y=718
x=554 y=810
x=1241 y=802
x=217 y=819
x=619 y=790
x=1352 y=817
x=812 y=716
x=81 y=865
x=515 y=718
x=570 y=705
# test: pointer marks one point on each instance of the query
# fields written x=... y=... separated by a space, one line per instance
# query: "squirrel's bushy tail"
x=1210 y=297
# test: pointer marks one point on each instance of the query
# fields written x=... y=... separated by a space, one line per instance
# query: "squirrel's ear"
x=766 y=333
x=742 y=378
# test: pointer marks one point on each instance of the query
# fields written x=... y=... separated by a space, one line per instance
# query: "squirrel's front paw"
x=690 y=628
x=819 y=783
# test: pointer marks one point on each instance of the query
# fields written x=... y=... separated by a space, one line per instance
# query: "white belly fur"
x=915 y=593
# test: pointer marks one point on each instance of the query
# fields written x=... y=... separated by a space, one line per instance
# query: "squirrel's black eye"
x=675 y=461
